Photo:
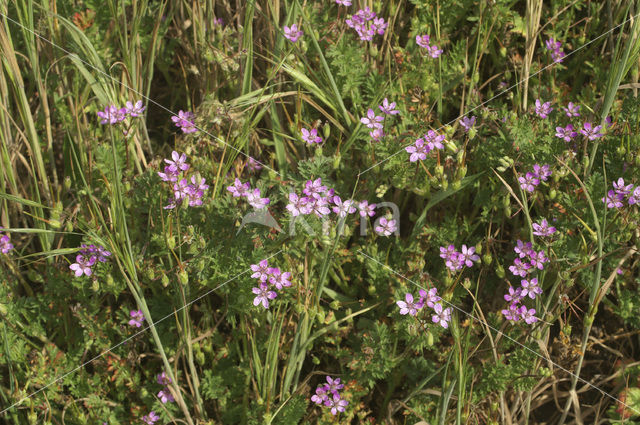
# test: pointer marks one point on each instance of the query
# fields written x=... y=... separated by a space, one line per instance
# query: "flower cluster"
x=455 y=260
x=529 y=286
x=556 y=50
x=532 y=259
x=268 y=275
x=239 y=190
x=429 y=298
x=164 y=394
x=532 y=179
x=292 y=34
x=328 y=395
x=376 y=122
x=589 y=131
x=184 y=121
x=366 y=24
x=137 y=317
x=423 y=41
x=615 y=198
x=87 y=257
x=5 y=244
x=113 y=115
x=175 y=172
x=424 y=145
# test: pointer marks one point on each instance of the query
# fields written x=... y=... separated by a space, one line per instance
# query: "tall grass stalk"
x=532 y=18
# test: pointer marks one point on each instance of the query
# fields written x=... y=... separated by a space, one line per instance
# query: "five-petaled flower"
x=372 y=120
x=442 y=316
x=292 y=34
x=386 y=227
x=263 y=295
x=83 y=265
x=408 y=306
x=543 y=109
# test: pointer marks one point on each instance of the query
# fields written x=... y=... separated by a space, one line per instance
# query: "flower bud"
x=95 y=286
x=487 y=259
x=553 y=194
x=326 y=131
x=336 y=161
x=183 y=277
x=499 y=271
x=171 y=243
x=67 y=182
x=165 y=280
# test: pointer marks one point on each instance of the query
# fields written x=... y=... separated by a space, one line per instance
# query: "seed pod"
x=183 y=277
x=487 y=259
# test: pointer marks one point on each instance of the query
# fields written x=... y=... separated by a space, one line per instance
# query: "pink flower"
x=292 y=34
x=82 y=265
x=422 y=41
x=408 y=306
x=386 y=227
x=151 y=418
x=372 y=120
x=239 y=189
x=263 y=295
x=418 y=150
x=344 y=2
x=165 y=396
x=388 y=108
x=366 y=208
x=442 y=316
x=311 y=137
x=134 y=110
x=136 y=318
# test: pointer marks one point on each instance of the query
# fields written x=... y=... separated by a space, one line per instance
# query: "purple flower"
x=136 y=318
x=635 y=197
x=181 y=189
x=320 y=396
x=343 y=208
x=366 y=208
x=620 y=187
x=5 y=244
x=184 y=121
x=163 y=379
x=388 y=108
x=434 y=140
x=455 y=262
x=239 y=189
x=430 y=298
x=528 y=315
x=566 y=133
x=280 y=279
x=552 y=44
x=255 y=200
x=433 y=51
x=468 y=255
x=613 y=199
x=542 y=172
x=418 y=150
x=528 y=182
x=372 y=120
x=447 y=252
x=334 y=385
x=514 y=296
x=82 y=265
x=543 y=109
x=556 y=52
x=336 y=404
x=377 y=134
x=344 y=2
x=511 y=313
x=263 y=295
x=151 y=418
x=422 y=41
x=537 y=259
x=165 y=396
x=261 y=270
x=442 y=316
x=292 y=34
x=297 y=205
x=311 y=137
x=112 y=115
x=314 y=188
x=467 y=123
x=386 y=227
x=178 y=161
x=253 y=165
x=530 y=288
x=408 y=306
x=572 y=110
x=519 y=268
x=319 y=206
x=379 y=25
x=170 y=174
x=134 y=110
x=543 y=228
x=591 y=132
x=523 y=249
